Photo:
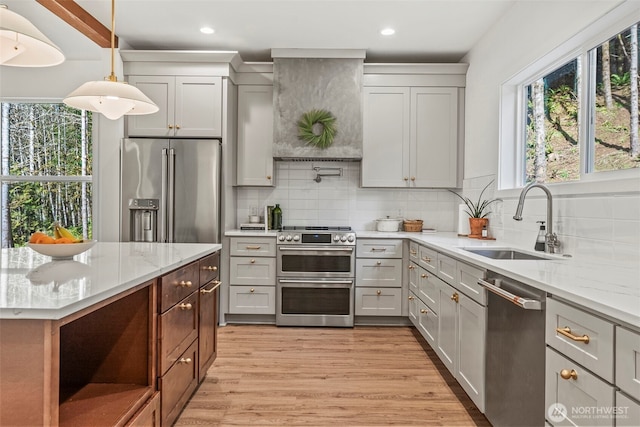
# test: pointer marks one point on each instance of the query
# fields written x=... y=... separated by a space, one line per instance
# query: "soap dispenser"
x=540 y=240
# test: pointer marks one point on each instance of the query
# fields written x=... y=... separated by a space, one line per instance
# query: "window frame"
x=512 y=110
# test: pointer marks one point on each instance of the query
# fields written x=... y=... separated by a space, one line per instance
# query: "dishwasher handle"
x=525 y=303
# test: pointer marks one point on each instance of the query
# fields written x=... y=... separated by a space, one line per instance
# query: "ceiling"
x=426 y=30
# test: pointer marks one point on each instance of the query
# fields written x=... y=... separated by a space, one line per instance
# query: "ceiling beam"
x=71 y=13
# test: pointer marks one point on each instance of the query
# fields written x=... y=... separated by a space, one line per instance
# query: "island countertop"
x=32 y=286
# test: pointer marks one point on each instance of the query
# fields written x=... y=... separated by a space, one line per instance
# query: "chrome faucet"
x=551 y=239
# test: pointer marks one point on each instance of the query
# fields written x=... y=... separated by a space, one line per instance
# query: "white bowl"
x=62 y=250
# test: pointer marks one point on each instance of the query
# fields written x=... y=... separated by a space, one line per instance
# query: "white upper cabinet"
x=255 y=135
x=190 y=106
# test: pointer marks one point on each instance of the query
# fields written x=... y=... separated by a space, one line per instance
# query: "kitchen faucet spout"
x=551 y=239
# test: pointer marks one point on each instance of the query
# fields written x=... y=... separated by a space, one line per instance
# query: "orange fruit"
x=35 y=236
x=45 y=240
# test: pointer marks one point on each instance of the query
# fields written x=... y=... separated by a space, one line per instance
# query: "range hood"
x=317 y=79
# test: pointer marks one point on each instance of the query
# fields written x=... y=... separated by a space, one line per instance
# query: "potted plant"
x=478 y=212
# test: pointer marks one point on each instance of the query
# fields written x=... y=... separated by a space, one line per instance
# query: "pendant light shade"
x=23 y=45
x=110 y=97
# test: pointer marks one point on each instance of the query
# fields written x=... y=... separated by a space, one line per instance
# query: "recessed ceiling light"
x=387 y=31
x=207 y=30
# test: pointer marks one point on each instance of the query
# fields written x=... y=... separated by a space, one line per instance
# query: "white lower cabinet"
x=378 y=301
x=627 y=411
x=472 y=326
x=427 y=323
x=252 y=299
x=414 y=303
x=447 y=326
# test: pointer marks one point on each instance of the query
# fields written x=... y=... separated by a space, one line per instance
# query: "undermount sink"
x=505 y=254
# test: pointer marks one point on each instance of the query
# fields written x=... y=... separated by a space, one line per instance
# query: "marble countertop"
x=32 y=286
x=605 y=287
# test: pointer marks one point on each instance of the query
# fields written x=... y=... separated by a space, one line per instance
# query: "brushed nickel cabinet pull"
x=566 y=331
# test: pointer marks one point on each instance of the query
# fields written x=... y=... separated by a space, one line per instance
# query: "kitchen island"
x=80 y=338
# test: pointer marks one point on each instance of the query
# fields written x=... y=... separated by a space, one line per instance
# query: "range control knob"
x=289 y=238
x=336 y=238
x=281 y=238
x=296 y=237
x=351 y=238
x=343 y=238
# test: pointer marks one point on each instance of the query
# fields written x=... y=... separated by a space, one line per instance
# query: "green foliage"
x=479 y=208
x=620 y=80
x=325 y=120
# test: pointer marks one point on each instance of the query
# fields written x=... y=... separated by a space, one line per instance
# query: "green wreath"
x=323 y=118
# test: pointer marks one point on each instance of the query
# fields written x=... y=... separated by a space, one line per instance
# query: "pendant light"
x=109 y=96
x=23 y=45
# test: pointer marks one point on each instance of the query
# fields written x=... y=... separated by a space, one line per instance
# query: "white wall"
x=339 y=201
x=600 y=225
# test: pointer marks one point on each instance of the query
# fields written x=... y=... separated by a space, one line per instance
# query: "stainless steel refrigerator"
x=170 y=190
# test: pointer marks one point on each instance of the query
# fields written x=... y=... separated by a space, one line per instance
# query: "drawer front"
x=148 y=415
x=252 y=271
x=577 y=396
x=177 y=328
x=252 y=299
x=379 y=272
x=414 y=274
x=209 y=267
x=378 y=302
x=628 y=362
x=428 y=259
x=628 y=414
x=447 y=269
x=207 y=327
x=468 y=282
x=414 y=252
x=379 y=248
x=413 y=309
x=178 y=384
x=428 y=289
x=428 y=324
x=176 y=285
x=252 y=246
x=597 y=354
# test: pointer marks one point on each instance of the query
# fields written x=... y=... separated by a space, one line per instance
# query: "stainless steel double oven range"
x=315 y=276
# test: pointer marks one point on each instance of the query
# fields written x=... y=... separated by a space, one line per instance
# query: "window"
x=45 y=170
x=576 y=117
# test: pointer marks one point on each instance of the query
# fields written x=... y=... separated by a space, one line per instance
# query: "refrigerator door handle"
x=171 y=198
x=163 y=208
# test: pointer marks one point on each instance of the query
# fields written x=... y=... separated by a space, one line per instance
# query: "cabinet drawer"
x=428 y=259
x=447 y=268
x=253 y=246
x=413 y=308
x=414 y=252
x=379 y=248
x=586 y=392
x=628 y=362
x=178 y=384
x=176 y=285
x=379 y=272
x=252 y=271
x=378 y=301
x=629 y=411
x=177 y=328
x=468 y=276
x=597 y=354
x=209 y=268
x=148 y=415
x=428 y=289
x=252 y=299
x=414 y=275
x=428 y=324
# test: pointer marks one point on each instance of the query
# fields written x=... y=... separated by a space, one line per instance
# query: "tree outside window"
x=554 y=133
x=45 y=170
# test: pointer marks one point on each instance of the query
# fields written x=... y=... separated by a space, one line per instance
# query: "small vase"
x=476 y=225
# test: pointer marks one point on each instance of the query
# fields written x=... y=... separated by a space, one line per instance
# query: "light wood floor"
x=365 y=376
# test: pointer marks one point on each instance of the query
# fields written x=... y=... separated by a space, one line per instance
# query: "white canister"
x=388 y=224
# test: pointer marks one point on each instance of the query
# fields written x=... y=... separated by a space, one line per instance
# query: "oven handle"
x=331 y=282
x=526 y=303
x=306 y=248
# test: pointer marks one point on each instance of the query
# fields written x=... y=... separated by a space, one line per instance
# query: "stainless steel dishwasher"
x=515 y=359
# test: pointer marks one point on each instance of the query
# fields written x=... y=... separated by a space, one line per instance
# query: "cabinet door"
x=161 y=90
x=428 y=324
x=378 y=302
x=255 y=136
x=178 y=384
x=628 y=361
x=434 y=137
x=629 y=411
x=198 y=110
x=447 y=326
x=208 y=327
x=386 y=137
x=472 y=322
x=428 y=288
x=414 y=272
x=413 y=309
